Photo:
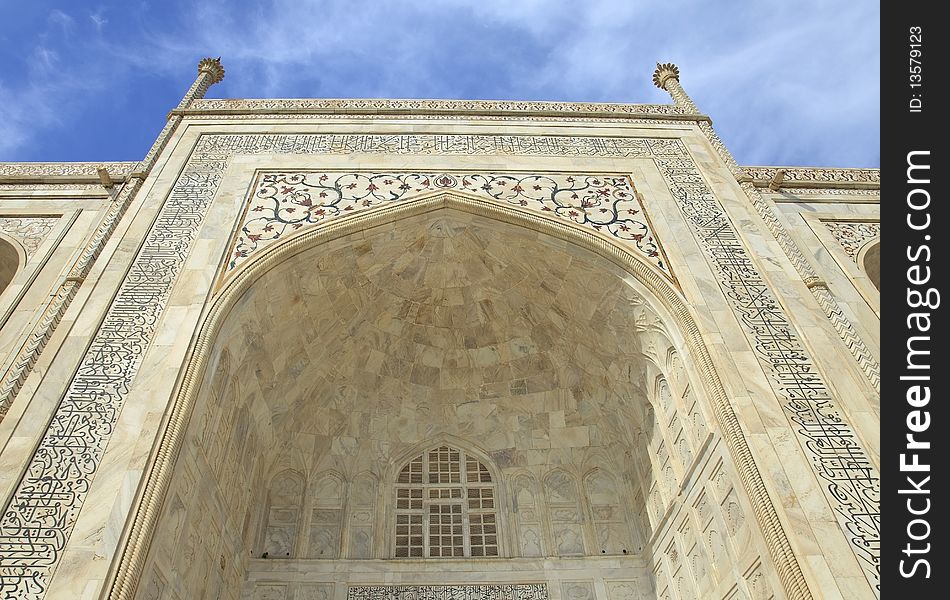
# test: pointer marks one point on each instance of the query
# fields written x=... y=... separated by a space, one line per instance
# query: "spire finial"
x=665 y=72
x=212 y=66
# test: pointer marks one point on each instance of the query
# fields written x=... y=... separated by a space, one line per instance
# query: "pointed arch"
x=362 y=516
x=563 y=499
x=527 y=509
x=12 y=259
x=442 y=439
x=326 y=502
x=285 y=493
x=446 y=505
x=869 y=261
x=460 y=200
x=663 y=394
x=664 y=300
x=611 y=528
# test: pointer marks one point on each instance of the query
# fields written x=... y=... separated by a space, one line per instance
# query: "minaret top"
x=665 y=72
x=213 y=67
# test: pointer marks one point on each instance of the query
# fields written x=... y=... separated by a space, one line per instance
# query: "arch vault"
x=555 y=355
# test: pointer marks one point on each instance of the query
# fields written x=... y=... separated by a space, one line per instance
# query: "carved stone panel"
x=577 y=590
x=314 y=591
x=29 y=231
x=271 y=592
x=852 y=235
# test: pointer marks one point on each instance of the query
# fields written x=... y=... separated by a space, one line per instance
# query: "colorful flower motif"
x=603 y=203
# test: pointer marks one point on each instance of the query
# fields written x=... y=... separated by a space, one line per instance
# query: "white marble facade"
x=359 y=350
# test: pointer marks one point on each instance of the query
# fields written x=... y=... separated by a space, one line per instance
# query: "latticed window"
x=445 y=506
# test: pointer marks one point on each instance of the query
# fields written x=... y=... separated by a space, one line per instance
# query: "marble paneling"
x=339 y=386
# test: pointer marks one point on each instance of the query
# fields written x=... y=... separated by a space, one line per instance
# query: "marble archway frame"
x=662 y=295
x=846 y=239
x=45 y=505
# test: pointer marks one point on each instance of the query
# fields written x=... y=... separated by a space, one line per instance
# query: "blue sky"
x=786 y=83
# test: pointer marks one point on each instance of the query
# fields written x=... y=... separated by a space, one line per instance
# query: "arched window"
x=445 y=506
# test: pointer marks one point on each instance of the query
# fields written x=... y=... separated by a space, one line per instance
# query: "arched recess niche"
x=230 y=408
x=869 y=261
x=12 y=258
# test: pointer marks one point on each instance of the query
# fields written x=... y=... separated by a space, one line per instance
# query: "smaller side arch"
x=527 y=510
x=611 y=529
x=869 y=261
x=326 y=502
x=562 y=495
x=12 y=259
x=363 y=514
x=285 y=493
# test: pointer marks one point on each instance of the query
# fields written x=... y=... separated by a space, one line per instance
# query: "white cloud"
x=52 y=86
x=62 y=20
x=44 y=59
x=22 y=112
x=98 y=19
x=779 y=86
x=14 y=127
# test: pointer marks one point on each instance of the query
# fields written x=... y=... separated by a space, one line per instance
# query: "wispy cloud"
x=51 y=86
x=62 y=20
x=777 y=89
x=98 y=19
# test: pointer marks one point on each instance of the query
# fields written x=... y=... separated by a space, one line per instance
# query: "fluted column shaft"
x=679 y=94
x=210 y=72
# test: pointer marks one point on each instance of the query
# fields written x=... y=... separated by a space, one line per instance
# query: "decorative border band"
x=516 y=591
x=65 y=169
x=467 y=107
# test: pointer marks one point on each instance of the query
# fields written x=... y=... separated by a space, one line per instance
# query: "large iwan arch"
x=339 y=349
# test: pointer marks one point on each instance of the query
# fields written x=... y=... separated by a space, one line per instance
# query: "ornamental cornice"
x=19 y=172
x=813 y=177
x=472 y=108
x=813 y=192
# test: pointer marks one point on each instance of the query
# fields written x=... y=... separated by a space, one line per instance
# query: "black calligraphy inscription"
x=518 y=591
x=850 y=481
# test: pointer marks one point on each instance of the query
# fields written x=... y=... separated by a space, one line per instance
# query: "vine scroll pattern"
x=852 y=235
x=287 y=202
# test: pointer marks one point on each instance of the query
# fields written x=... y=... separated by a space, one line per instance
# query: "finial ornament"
x=665 y=72
x=213 y=67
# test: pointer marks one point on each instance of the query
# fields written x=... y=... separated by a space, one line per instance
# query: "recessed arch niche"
x=869 y=260
x=535 y=345
x=11 y=258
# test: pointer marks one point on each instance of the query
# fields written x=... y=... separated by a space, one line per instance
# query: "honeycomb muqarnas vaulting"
x=327 y=349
